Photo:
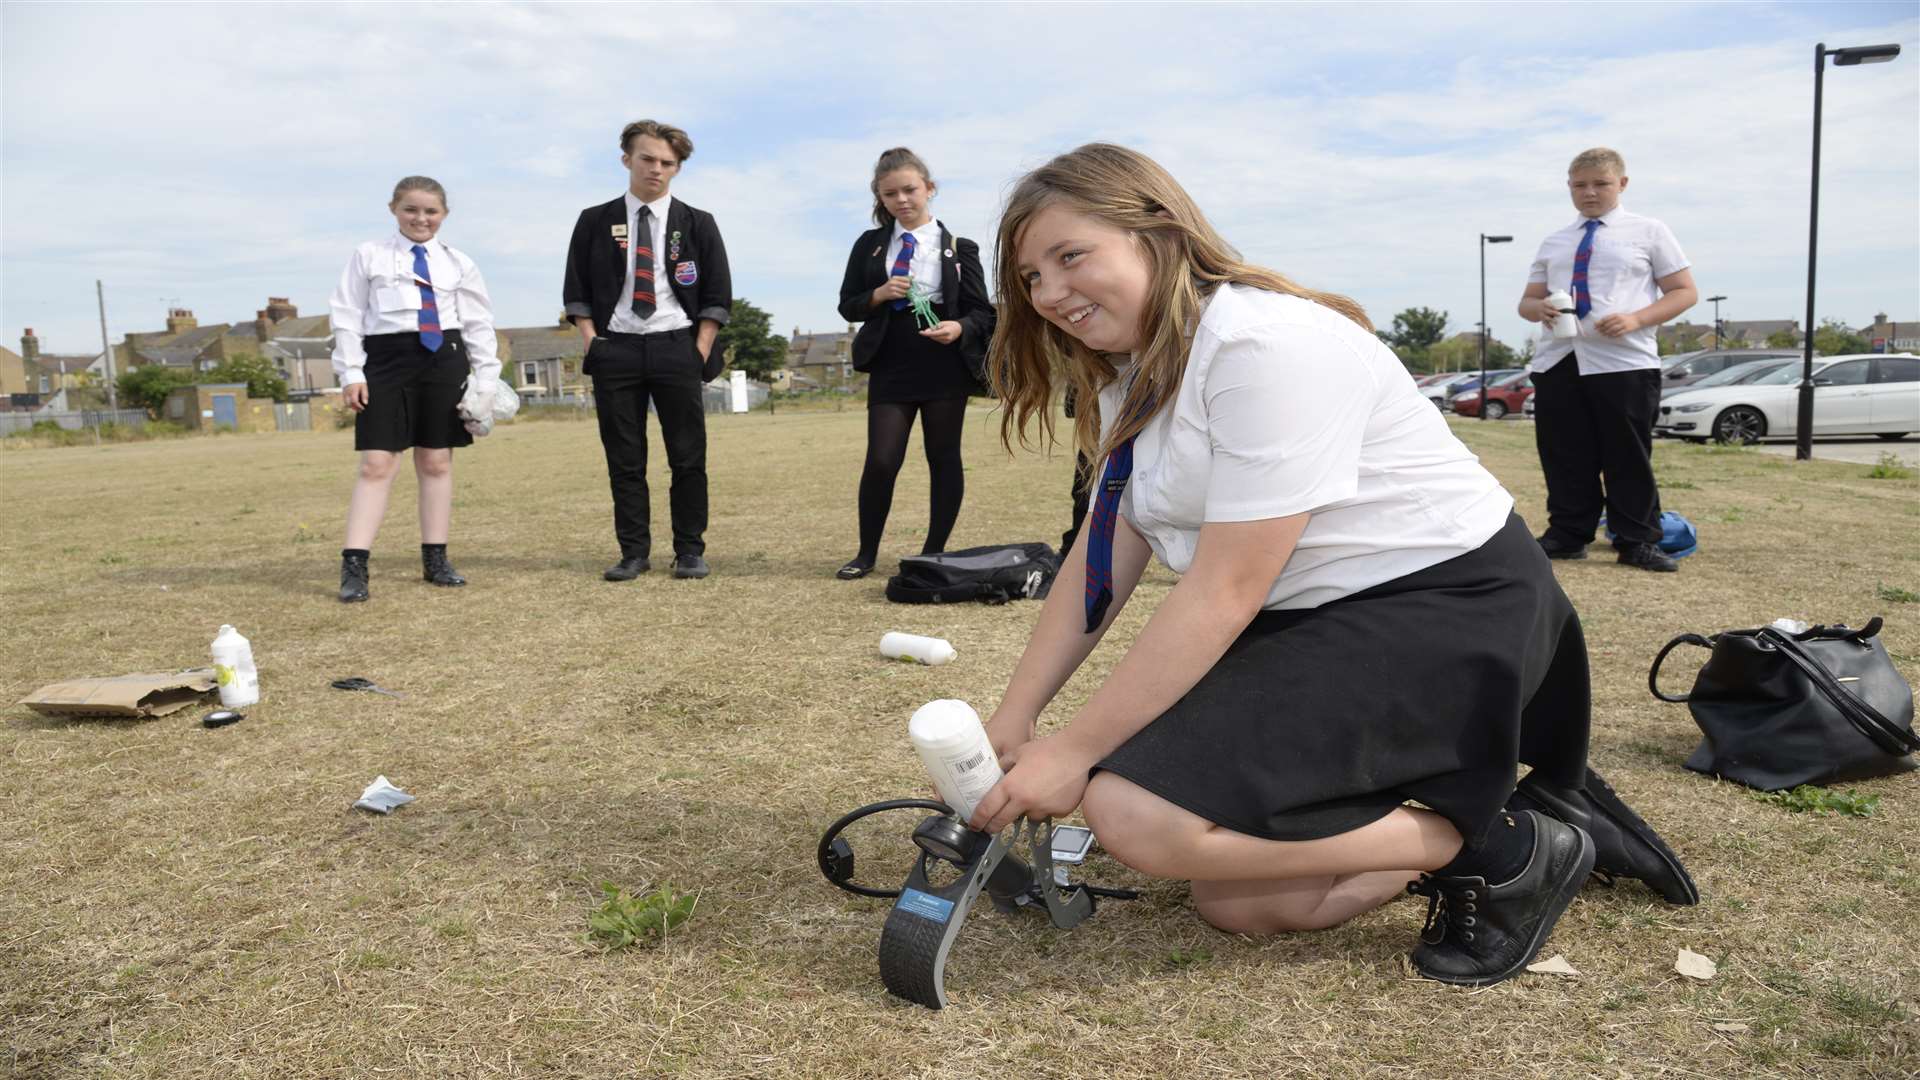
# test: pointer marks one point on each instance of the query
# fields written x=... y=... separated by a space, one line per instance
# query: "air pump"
x=925 y=918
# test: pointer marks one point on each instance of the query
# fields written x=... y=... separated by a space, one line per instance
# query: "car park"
x=1733 y=376
x=1690 y=368
x=1443 y=392
x=1860 y=394
x=1504 y=396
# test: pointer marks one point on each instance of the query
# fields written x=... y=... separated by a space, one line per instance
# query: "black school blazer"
x=597 y=267
x=961 y=277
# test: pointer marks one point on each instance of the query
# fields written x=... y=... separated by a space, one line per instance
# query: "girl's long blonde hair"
x=1187 y=260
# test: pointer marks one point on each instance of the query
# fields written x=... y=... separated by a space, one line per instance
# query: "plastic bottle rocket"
x=931 y=651
x=954 y=747
x=1567 y=325
x=233 y=669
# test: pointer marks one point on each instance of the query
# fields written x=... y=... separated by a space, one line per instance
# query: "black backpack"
x=993 y=574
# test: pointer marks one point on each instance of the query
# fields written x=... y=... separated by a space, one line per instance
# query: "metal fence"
x=11 y=422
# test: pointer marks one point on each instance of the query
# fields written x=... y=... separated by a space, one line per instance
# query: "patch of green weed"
x=625 y=919
x=1808 y=799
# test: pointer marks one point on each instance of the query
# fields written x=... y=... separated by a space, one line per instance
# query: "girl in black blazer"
x=911 y=370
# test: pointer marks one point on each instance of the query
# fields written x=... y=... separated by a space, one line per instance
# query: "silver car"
x=1685 y=371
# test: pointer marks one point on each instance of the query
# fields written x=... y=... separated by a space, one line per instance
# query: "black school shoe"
x=1648 y=557
x=1477 y=933
x=353 y=579
x=689 y=566
x=1557 y=550
x=436 y=570
x=1624 y=845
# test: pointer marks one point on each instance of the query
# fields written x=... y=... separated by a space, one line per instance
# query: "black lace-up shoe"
x=1624 y=845
x=1648 y=557
x=353 y=579
x=628 y=569
x=436 y=570
x=1479 y=933
x=689 y=566
x=1557 y=550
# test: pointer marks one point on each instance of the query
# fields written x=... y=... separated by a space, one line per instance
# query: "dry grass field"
x=184 y=903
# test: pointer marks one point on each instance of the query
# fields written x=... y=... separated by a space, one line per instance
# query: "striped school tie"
x=903 y=266
x=1582 y=299
x=430 y=335
x=643 y=299
x=1101 y=523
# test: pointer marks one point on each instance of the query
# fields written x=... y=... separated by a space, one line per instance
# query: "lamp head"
x=1496 y=239
x=1863 y=54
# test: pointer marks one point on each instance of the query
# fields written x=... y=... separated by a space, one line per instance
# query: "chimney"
x=279 y=307
x=263 y=325
x=29 y=346
x=180 y=320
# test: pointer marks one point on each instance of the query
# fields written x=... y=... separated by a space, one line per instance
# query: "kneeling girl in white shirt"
x=1361 y=620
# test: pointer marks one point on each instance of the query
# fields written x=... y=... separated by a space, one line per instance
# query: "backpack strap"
x=1885 y=734
x=1653 y=673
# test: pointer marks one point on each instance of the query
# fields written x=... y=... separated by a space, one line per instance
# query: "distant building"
x=300 y=347
x=1888 y=336
x=819 y=361
x=543 y=361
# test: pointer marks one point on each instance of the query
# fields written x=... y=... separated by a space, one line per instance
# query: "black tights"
x=888 y=425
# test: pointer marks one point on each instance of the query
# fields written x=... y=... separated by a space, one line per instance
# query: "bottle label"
x=222 y=674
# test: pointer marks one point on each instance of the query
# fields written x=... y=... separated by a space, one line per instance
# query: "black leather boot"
x=1626 y=846
x=435 y=568
x=353 y=579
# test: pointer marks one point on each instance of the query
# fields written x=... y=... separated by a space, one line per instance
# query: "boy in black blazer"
x=649 y=342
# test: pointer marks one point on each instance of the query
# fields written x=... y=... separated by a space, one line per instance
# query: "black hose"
x=837 y=866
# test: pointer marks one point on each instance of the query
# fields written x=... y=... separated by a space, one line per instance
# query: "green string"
x=923 y=314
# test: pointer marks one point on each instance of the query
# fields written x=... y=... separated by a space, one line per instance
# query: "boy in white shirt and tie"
x=1596 y=394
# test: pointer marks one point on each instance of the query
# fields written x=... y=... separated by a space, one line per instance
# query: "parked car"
x=1859 y=394
x=1442 y=393
x=1690 y=368
x=1504 y=396
x=1736 y=375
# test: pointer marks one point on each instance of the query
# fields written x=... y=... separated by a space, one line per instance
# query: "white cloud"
x=220 y=154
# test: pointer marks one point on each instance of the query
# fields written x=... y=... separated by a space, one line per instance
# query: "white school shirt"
x=1289 y=407
x=667 y=312
x=1630 y=254
x=925 y=267
x=378 y=294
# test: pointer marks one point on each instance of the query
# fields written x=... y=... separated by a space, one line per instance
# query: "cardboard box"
x=140 y=696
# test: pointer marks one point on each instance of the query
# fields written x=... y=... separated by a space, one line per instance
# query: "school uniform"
x=379 y=311
x=644 y=356
x=901 y=365
x=1596 y=396
x=1414 y=647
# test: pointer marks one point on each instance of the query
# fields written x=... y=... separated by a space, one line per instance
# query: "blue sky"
x=211 y=156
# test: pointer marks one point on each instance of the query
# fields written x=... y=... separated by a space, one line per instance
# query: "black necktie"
x=643 y=302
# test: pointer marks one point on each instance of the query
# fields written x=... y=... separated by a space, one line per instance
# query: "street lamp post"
x=1484 y=241
x=1715 y=301
x=1862 y=54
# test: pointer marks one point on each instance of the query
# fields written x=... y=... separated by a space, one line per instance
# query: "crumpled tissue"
x=381 y=797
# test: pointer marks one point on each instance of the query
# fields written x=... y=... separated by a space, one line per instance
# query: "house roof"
x=543 y=343
x=180 y=349
x=66 y=364
x=825 y=348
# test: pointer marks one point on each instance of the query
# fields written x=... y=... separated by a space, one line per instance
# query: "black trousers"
x=1595 y=428
x=628 y=371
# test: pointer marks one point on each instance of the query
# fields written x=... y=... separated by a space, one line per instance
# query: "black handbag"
x=1779 y=709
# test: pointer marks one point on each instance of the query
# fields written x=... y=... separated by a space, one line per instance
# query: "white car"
x=1863 y=394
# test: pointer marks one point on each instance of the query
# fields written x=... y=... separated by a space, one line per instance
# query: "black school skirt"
x=909 y=367
x=413 y=396
x=1430 y=688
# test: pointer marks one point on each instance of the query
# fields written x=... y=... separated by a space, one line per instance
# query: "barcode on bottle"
x=973 y=762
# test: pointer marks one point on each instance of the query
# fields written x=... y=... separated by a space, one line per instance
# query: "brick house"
x=820 y=361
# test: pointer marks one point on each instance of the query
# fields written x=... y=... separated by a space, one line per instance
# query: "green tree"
x=85 y=390
x=262 y=380
x=147 y=386
x=1463 y=354
x=1835 y=339
x=1783 y=339
x=750 y=343
x=1415 y=331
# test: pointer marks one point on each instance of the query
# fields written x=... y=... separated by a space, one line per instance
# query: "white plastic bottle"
x=1567 y=324
x=233 y=669
x=954 y=747
x=931 y=651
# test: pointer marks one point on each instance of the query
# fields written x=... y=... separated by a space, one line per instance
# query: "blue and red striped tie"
x=430 y=335
x=1106 y=512
x=643 y=299
x=1582 y=299
x=903 y=266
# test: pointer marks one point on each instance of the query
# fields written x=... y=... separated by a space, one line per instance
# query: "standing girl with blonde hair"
x=913 y=370
x=1343 y=559
x=412 y=323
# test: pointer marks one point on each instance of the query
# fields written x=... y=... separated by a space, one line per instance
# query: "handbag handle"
x=1885 y=734
x=1653 y=673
